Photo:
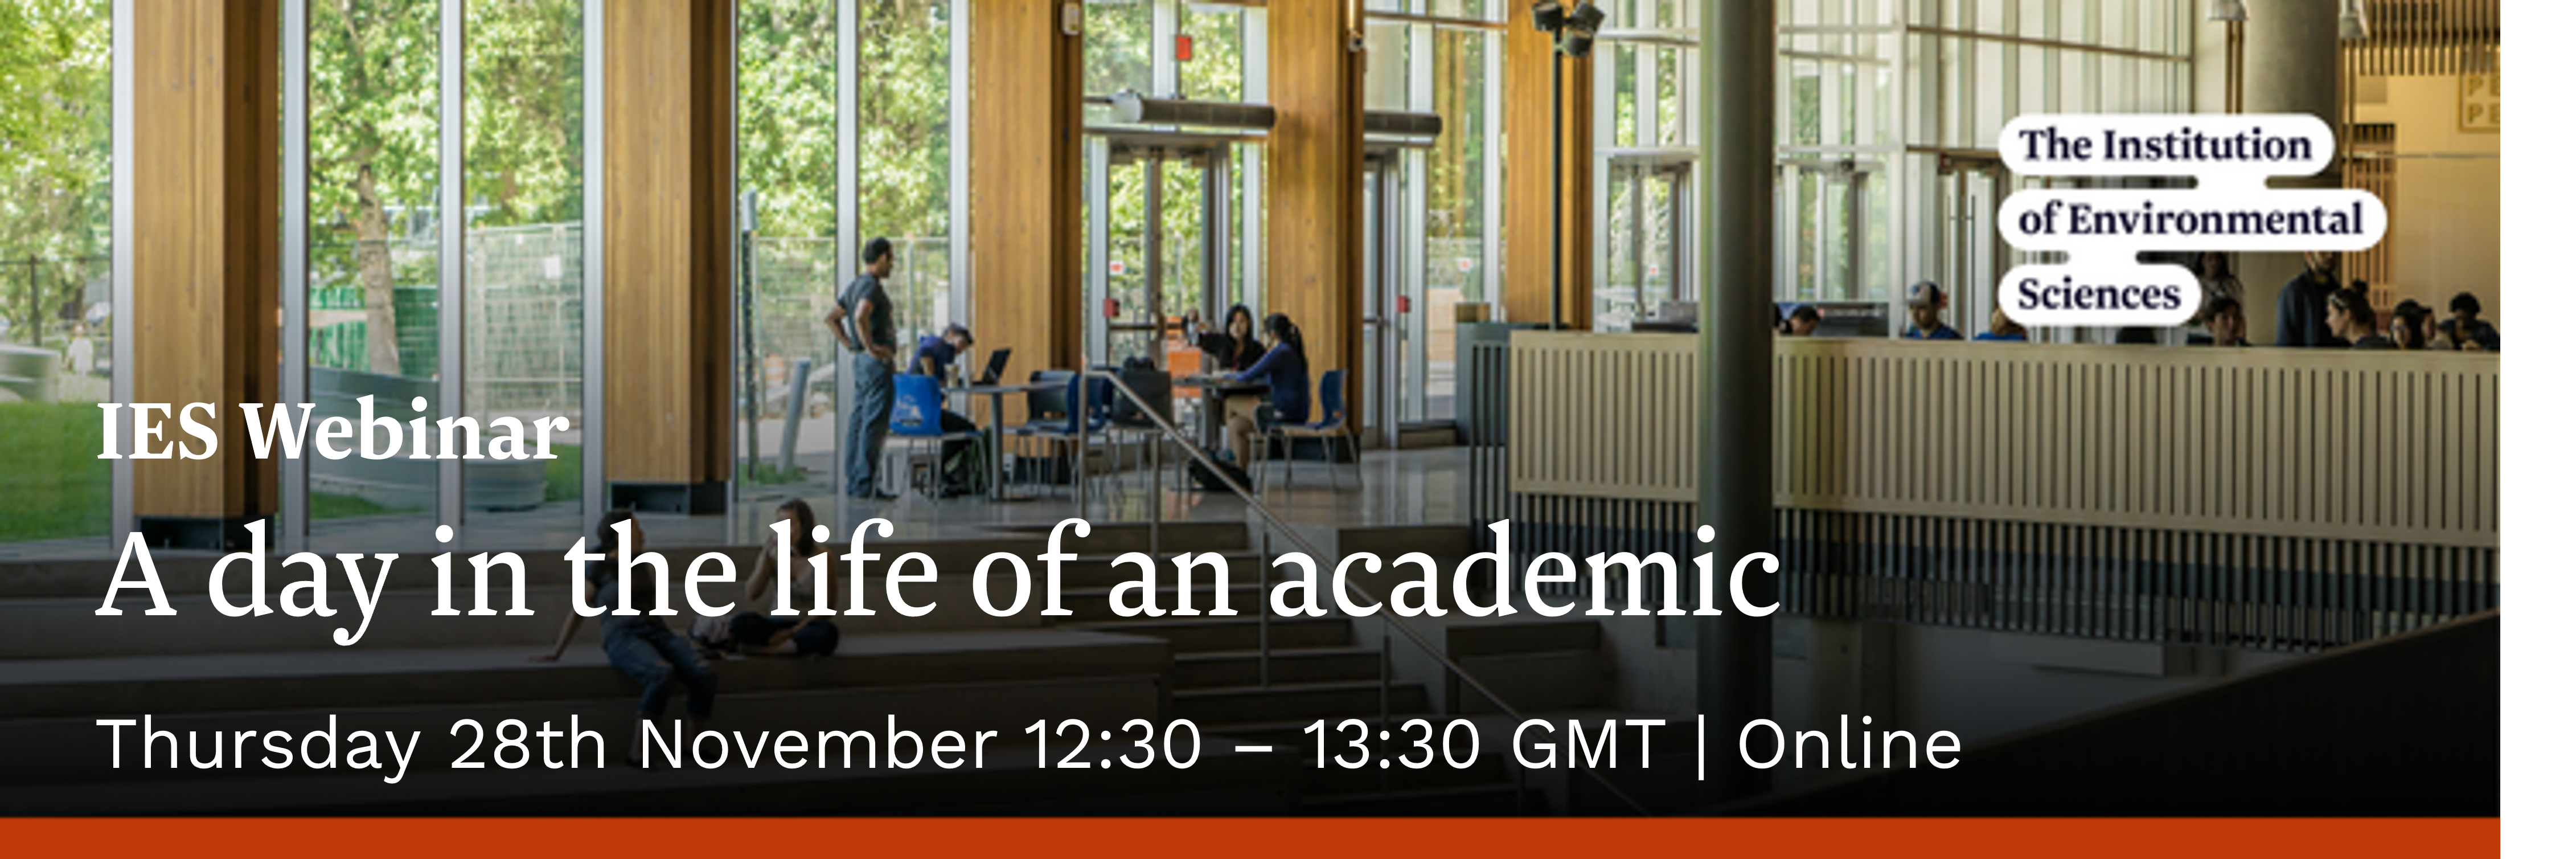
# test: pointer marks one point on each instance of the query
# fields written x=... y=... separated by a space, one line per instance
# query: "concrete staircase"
x=957 y=669
x=62 y=668
x=1319 y=669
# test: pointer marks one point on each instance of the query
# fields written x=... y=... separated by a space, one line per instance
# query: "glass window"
x=56 y=323
x=1848 y=66
x=523 y=251
x=372 y=299
x=1446 y=208
x=1167 y=48
x=1458 y=202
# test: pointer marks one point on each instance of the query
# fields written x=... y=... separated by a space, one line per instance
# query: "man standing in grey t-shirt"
x=871 y=335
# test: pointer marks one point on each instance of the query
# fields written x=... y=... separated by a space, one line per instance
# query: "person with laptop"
x=936 y=357
x=937 y=353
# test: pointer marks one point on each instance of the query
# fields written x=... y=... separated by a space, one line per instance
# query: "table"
x=993 y=427
x=1213 y=389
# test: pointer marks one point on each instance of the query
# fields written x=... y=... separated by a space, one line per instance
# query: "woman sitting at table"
x=1236 y=350
x=1283 y=368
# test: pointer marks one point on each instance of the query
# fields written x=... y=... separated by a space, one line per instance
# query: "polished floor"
x=1386 y=488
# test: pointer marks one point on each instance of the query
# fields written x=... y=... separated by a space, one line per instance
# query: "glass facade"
x=1442 y=57
x=1645 y=90
x=523 y=260
x=374 y=279
x=57 y=316
x=793 y=258
x=1161 y=195
x=1887 y=111
x=1887 y=117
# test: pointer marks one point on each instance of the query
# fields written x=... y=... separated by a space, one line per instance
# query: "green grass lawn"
x=328 y=505
x=52 y=483
x=563 y=483
x=563 y=473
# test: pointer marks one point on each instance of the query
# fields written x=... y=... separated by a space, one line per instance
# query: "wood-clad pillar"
x=1528 y=55
x=666 y=245
x=1315 y=226
x=204 y=243
x=1025 y=213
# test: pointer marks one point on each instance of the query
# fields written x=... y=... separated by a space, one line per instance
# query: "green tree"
x=523 y=104
x=54 y=142
x=787 y=115
x=785 y=110
x=903 y=117
x=374 y=139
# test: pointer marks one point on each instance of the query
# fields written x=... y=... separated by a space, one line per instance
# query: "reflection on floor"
x=1394 y=488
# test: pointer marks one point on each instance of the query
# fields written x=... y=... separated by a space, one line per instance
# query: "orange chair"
x=1184 y=364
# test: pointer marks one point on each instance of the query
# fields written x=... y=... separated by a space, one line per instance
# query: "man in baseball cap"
x=1925 y=301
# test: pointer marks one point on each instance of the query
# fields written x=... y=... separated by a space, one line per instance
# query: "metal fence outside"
x=523 y=314
x=45 y=302
x=794 y=284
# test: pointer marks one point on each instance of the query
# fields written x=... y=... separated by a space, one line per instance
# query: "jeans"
x=869 y=416
x=651 y=654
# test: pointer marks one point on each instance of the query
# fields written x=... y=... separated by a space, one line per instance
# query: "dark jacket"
x=2301 y=317
x=1284 y=370
x=2482 y=334
x=1236 y=355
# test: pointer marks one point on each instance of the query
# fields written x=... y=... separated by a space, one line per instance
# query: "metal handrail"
x=1274 y=522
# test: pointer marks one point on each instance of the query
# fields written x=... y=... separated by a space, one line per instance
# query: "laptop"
x=993 y=367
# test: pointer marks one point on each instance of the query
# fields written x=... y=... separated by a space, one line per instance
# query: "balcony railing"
x=2285 y=499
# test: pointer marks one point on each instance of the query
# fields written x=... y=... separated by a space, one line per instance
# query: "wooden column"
x=204 y=320
x=1315 y=226
x=1025 y=214
x=666 y=243
x=1528 y=152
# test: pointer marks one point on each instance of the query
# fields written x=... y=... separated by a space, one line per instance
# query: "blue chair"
x=917 y=403
x=1133 y=419
x=1063 y=415
x=1333 y=424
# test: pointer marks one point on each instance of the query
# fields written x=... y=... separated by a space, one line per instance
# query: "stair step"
x=1093 y=603
x=1497 y=798
x=1113 y=538
x=1293 y=702
x=1489 y=768
x=1201 y=634
x=1287 y=665
x=1220 y=783
x=298 y=680
x=1102 y=571
x=36 y=752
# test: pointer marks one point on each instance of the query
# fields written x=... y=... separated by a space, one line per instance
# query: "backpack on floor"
x=1207 y=480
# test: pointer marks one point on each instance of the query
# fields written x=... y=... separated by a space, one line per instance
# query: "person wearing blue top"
x=1925 y=301
x=935 y=357
x=937 y=354
x=1283 y=368
x=2464 y=331
x=2001 y=328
